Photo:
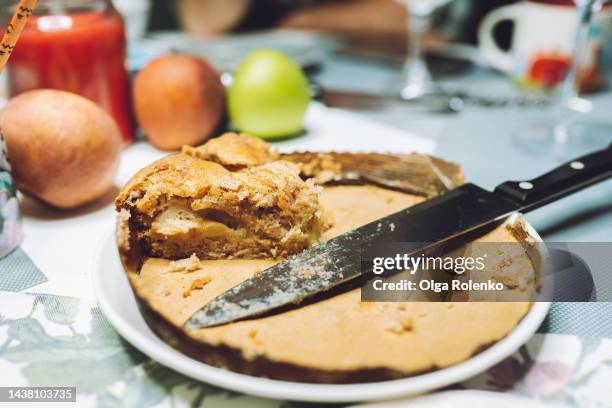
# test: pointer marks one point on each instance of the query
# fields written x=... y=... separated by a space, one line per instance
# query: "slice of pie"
x=230 y=198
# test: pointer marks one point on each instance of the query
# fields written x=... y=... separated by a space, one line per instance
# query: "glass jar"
x=11 y=231
x=77 y=46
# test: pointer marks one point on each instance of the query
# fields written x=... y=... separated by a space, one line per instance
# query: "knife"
x=441 y=102
x=435 y=221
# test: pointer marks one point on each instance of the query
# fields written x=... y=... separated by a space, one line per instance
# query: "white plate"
x=119 y=305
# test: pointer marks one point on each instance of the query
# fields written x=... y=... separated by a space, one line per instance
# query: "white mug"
x=542 y=44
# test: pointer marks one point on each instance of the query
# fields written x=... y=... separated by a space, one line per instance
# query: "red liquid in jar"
x=83 y=53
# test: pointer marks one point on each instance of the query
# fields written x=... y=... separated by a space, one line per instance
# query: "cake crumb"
x=197 y=285
x=190 y=264
x=163 y=291
x=306 y=272
x=399 y=325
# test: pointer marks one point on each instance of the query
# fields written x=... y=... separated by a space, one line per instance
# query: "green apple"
x=269 y=95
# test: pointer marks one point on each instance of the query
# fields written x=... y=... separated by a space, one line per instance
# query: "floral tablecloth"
x=48 y=340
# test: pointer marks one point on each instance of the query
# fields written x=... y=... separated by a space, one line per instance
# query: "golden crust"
x=184 y=176
x=234 y=151
x=177 y=175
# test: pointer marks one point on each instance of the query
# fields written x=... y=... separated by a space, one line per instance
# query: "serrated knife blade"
x=434 y=221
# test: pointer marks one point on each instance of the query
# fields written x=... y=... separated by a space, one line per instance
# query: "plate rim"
x=156 y=349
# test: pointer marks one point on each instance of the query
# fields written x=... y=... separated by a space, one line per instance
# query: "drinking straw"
x=14 y=29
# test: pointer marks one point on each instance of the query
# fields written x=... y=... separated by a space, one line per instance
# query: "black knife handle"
x=560 y=182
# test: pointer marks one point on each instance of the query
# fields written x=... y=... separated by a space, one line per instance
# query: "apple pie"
x=192 y=218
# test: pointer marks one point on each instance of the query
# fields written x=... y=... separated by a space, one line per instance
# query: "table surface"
x=480 y=139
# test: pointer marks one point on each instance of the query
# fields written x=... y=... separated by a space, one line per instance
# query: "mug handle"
x=498 y=58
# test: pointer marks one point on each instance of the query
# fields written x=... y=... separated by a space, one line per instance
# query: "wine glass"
x=567 y=130
x=416 y=78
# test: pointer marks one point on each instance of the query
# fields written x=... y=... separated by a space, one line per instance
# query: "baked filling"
x=230 y=198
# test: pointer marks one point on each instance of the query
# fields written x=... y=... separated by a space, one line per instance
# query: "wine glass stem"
x=570 y=88
x=416 y=74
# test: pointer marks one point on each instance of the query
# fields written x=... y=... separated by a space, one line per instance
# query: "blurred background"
x=367 y=28
x=373 y=29
x=513 y=49
x=530 y=74
x=529 y=42
x=384 y=18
